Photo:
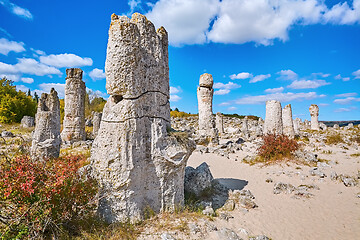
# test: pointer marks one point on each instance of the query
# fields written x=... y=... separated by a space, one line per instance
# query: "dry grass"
x=334 y=139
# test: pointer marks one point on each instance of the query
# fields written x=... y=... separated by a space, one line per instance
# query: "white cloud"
x=222 y=92
x=175 y=90
x=274 y=90
x=339 y=77
x=12 y=77
x=347 y=94
x=242 y=75
x=27 y=80
x=347 y=100
x=323 y=75
x=174 y=98
x=356 y=74
x=22 y=88
x=15 y=9
x=342 y=110
x=287 y=75
x=97 y=74
x=282 y=97
x=65 y=60
x=27 y=66
x=187 y=21
x=323 y=104
x=46 y=87
x=259 y=78
x=133 y=4
x=305 y=84
x=342 y=13
x=38 y=52
x=232 y=108
x=7 y=46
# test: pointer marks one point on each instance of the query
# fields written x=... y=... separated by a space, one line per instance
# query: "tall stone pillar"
x=297 y=125
x=314 y=113
x=219 y=122
x=205 y=94
x=273 y=119
x=96 y=120
x=138 y=164
x=287 y=120
x=46 y=137
x=74 y=110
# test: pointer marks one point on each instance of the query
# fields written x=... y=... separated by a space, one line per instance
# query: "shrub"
x=277 y=147
x=38 y=197
x=334 y=139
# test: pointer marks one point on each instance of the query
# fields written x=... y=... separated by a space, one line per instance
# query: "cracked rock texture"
x=27 y=122
x=288 y=125
x=46 y=137
x=139 y=165
x=96 y=120
x=273 y=119
x=219 y=122
x=314 y=113
x=74 y=110
x=205 y=94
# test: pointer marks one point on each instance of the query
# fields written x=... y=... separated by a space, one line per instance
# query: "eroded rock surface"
x=273 y=119
x=27 y=122
x=314 y=112
x=138 y=164
x=46 y=138
x=288 y=121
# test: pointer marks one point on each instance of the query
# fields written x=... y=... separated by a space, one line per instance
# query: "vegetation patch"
x=334 y=139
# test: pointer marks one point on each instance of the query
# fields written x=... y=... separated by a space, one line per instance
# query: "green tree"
x=14 y=104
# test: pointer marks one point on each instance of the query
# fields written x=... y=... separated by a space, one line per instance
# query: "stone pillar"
x=219 y=121
x=137 y=163
x=96 y=122
x=287 y=120
x=245 y=127
x=74 y=110
x=297 y=124
x=314 y=113
x=46 y=137
x=273 y=119
x=27 y=122
x=205 y=93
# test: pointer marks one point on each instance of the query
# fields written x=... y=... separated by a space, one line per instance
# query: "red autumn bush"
x=38 y=197
x=277 y=147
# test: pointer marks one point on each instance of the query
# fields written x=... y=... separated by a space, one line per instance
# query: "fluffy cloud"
x=7 y=46
x=347 y=94
x=339 y=77
x=305 y=84
x=65 y=60
x=347 y=100
x=187 y=21
x=235 y=21
x=225 y=88
x=27 y=80
x=232 y=108
x=27 y=66
x=46 y=87
x=259 y=78
x=287 y=75
x=274 y=90
x=174 y=98
x=343 y=110
x=38 y=52
x=97 y=74
x=15 y=9
x=242 y=75
x=175 y=90
x=282 y=97
x=356 y=74
x=173 y=93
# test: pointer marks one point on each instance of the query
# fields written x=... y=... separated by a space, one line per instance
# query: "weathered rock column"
x=137 y=163
x=74 y=110
x=219 y=122
x=205 y=94
x=27 y=122
x=46 y=137
x=297 y=124
x=96 y=120
x=273 y=119
x=287 y=120
x=314 y=113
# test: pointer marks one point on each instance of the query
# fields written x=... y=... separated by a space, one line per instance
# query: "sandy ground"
x=332 y=213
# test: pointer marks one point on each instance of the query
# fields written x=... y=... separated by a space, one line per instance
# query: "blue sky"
x=301 y=52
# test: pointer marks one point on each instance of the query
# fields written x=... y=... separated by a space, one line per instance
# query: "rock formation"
x=219 y=122
x=314 y=113
x=297 y=124
x=27 y=122
x=205 y=93
x=287 y=120
x=273 y=119
x=245 y=127
x=139 y=165
x=46 y=137
x=74 y=110
x=96 y=122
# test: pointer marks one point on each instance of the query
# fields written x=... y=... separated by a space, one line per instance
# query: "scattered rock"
x=316 y=172
x=167 y=236
x=283 y=188
x=259 y=237
x=7 y=134
x=199 y=179
x=27 y=122
x=227 y=234
x=209 y=211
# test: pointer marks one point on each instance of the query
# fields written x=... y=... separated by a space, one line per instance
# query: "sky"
x=300 y=52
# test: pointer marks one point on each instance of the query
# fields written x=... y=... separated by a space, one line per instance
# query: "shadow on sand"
x=232 y=183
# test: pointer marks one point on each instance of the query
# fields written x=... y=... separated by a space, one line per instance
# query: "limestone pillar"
x=74 y=110
x=137 y=163
x=46 y=137
x=314 y=113
x=219 y=122
x=287 y=120
x=205 y=93
x=96 y=122
x=273 y=119
x=297 y=125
